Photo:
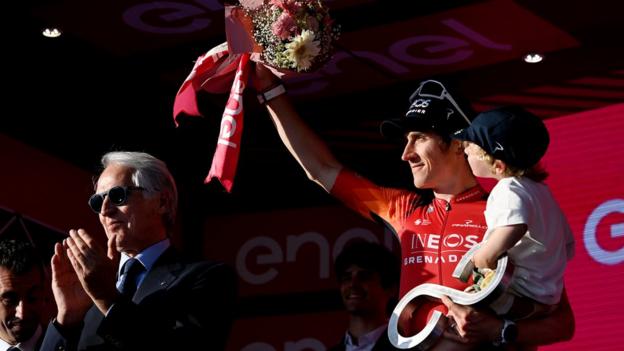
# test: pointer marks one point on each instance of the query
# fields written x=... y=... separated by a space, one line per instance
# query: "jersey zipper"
x=442 y=234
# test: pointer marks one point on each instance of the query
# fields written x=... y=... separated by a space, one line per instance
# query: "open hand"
x=72 y=301
x=95 y=266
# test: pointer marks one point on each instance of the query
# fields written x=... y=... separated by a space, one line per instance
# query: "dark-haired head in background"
x=22 y=281
x=368 y=278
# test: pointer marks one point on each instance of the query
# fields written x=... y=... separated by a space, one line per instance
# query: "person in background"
x=22 y=289
x=435 y=225
x=136 y=292
x=368 y=277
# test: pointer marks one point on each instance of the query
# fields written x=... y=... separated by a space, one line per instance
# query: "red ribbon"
x=215 y=72
x=222 y=69
x=225 y=158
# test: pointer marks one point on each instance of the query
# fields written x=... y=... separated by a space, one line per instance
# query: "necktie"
x=129 y=274
x=13 y=348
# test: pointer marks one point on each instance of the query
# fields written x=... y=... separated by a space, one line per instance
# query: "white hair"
x=150 y=174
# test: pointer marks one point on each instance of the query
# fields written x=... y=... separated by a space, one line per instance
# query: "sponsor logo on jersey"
x=421 y=221
x=469 y=224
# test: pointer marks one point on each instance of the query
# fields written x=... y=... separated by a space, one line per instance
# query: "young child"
x=523 y=218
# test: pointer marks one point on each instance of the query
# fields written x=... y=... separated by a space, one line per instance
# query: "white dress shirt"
x=366 y=342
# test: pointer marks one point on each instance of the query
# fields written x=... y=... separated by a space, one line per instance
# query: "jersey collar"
x=471 y=194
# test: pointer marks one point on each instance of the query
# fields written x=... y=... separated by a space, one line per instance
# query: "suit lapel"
x=164 y=272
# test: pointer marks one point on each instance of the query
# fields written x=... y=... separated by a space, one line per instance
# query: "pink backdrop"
x=586 y=164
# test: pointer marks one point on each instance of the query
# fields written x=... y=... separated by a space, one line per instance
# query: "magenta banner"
x=467 y=37
x=586 y=167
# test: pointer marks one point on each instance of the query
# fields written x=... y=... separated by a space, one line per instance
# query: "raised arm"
x=304 y=144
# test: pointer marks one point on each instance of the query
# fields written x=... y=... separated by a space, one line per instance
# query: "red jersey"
x=433 y=236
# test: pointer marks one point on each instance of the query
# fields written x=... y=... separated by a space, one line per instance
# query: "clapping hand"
x=72 y=301
x=95 y=267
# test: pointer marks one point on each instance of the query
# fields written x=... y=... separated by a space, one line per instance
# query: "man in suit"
x=136 y=292
x=21 y=296
x=368 y=277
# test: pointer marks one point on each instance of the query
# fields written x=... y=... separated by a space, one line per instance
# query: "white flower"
x=302 y=50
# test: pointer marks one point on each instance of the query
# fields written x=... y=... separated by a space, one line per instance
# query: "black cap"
x=510 y=134
x=431 y=108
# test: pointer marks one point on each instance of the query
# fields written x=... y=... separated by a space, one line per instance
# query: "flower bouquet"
x=294 y=35
x=287 y=36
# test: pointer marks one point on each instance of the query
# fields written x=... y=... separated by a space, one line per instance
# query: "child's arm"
x=499 y=241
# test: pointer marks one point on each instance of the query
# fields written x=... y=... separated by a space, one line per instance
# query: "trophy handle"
x=434 y=328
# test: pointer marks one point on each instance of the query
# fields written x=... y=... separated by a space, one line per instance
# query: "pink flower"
x=284 y=27
x=291 y=6
x=251 y=4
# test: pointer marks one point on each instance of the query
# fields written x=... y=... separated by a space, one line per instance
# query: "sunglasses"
x=117 y=195
x=435 y=89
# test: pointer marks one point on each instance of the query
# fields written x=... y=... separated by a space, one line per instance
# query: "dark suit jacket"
x=382 y=344
x=40 y=339
x=179 y=306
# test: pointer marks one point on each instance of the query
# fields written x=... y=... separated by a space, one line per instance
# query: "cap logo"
x=419 y=106
x=499 y=147
x=421 y=103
